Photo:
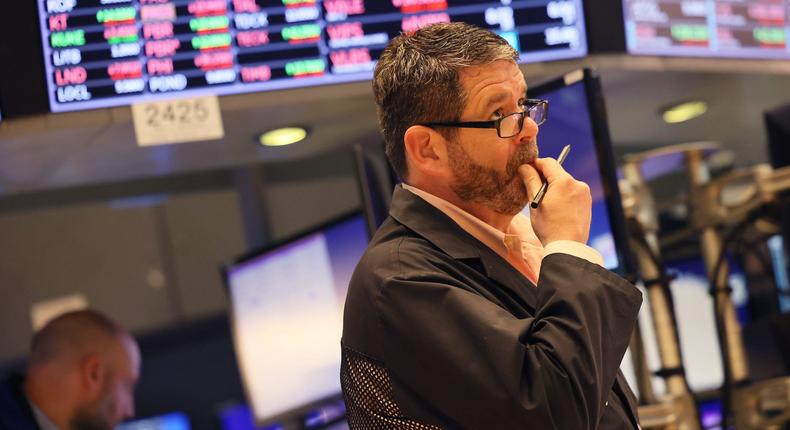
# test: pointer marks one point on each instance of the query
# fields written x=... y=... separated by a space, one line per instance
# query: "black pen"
x=542 y=191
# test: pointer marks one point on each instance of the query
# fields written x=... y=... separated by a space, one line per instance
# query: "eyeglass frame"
x=531 y=104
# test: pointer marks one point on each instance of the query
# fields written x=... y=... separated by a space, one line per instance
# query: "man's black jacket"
x=15 y=411
x=441 y=332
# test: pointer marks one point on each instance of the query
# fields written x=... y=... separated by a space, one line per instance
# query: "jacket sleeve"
x=469 y=359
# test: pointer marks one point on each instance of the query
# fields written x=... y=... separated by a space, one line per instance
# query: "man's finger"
x=549 y=168
x=532 y=179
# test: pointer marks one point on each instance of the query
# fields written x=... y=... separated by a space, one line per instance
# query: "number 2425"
x=176 y=113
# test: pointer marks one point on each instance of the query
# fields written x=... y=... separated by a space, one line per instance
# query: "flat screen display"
x=699 y=339
x=708 y=28
x=171 y=421
x=287 y=308
x=101 y=53
x=570 y=121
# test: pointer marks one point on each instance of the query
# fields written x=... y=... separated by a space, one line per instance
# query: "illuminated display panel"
x=101 y=53
x=708 y=28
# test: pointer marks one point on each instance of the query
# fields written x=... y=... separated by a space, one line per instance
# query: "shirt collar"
x=518 y=232
x=44 y=423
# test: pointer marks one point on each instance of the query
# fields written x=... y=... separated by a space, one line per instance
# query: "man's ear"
x=92 y=374
x=425 y=150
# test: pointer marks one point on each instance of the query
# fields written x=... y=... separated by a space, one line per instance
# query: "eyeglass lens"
x=511 y=125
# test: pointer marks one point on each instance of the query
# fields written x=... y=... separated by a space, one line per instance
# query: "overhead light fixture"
x=282 y=136
x=684 y=112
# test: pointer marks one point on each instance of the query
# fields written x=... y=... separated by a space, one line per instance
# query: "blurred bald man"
x=81 y=375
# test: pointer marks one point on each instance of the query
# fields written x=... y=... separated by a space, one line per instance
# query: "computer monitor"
x=777 y=124
x=113 y=53
x=746 y=29
x=577 y=116
x=239 y=416
x=286 y=312
x=376 y=180
x=171 y=421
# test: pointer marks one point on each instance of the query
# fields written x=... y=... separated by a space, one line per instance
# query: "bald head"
x=73 y=335
x=82 y=371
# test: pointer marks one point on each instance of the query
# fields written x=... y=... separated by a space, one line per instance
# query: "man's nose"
x=529 y=131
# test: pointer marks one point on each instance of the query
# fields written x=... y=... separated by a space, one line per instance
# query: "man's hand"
x=566 y=209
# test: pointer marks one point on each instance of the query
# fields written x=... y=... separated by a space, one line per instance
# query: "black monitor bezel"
x=605 y=25
x=279 y=243
x=364 y=171
x=297 y=413
x=603 y=149
x=777 y=129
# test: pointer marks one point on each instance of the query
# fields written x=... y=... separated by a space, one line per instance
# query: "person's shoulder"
x=10 y=388
x=395 y=248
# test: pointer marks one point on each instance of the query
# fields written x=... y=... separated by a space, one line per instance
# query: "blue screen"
x=287 y=308
x=239 y=417
x=172 y=421
x=569 y=122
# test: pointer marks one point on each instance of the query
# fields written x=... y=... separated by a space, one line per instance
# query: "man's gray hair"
x=417 y=79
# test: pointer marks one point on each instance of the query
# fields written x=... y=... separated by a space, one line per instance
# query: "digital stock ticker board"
x=750 y=29
x=101 y=53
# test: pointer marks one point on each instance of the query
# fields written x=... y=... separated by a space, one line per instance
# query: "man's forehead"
x=491 y=79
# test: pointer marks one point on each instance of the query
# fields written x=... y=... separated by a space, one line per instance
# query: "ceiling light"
x=282 y=136
x=684 y=112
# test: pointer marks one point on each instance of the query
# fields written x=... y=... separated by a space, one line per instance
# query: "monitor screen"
x=171 y=421
x=240 y=417
x=737 y=29
x=576 y=117
x=100 y=53
x=699 y=341
x=287 y=306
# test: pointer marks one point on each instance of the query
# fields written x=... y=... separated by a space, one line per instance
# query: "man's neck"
x=498 y=221
x=38 y=395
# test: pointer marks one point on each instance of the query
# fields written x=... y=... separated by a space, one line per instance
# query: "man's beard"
x=502 y=193
x=94 y=417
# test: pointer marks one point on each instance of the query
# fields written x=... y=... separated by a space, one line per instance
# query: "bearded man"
x=81 y=375
x=464 y=313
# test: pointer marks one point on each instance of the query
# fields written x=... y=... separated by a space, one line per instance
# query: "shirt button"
x=607 y=403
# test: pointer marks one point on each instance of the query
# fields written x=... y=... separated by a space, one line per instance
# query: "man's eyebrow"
x=500 y=97
x=495 y=99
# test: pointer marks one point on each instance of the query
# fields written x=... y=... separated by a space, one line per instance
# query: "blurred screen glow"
x=287 y=307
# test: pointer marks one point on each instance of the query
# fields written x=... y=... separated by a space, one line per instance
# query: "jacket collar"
x=432 y=224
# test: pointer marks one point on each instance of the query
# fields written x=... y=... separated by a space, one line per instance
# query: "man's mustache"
x=524 y=155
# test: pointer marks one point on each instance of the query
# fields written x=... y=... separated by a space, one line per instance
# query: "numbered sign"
x=174 y=121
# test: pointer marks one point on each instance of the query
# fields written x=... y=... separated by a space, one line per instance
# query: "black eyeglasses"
x=509 y=125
